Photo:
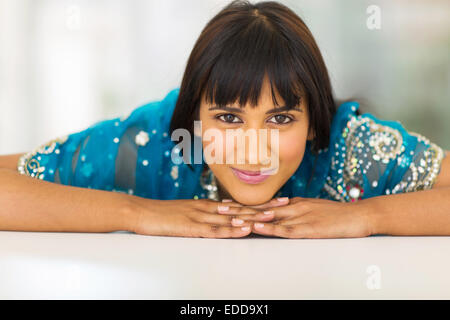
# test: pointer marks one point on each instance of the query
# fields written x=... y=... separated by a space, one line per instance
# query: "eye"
x=228 y=118
x=281 y=119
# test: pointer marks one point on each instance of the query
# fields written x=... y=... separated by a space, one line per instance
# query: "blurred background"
x=66 y=64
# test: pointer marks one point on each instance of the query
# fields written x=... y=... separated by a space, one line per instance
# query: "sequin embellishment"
x=174 y=172
x=142 y=138
x=369 y=148
x=209 y=183
x=32 y=167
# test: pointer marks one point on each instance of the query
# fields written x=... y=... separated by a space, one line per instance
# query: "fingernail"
x=268 y=212
x=259 y=225
x=237 y=221
x=283 y=199
x=223 y=208
x=227 y=200
x=245 y=228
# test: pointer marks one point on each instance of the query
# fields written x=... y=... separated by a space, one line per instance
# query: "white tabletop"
x=122 y=265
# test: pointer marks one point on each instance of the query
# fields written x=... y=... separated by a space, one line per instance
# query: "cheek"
x=214 y=142
x=292 y=147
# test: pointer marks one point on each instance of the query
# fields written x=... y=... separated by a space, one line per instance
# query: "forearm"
x=415 y=213
x=28 y=204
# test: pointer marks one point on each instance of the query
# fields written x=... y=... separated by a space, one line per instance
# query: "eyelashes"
x=230 y=118
x=284 y=117
x=226 y=116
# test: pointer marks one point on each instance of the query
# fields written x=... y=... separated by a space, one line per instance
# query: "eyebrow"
x=239 y=110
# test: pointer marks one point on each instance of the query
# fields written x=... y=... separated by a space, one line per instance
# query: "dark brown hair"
x=242 y=44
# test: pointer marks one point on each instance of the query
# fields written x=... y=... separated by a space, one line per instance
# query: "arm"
x=10 y=161
x=418 y=213
x=424 y=212
x=28 y=204
x=402 y=194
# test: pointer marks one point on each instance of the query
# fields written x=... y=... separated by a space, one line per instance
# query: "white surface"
x=128 y=266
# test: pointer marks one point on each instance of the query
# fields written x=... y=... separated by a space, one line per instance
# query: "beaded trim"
x=209 y=183
x=430 y=165
x=333 y=193
x=384 y=144
x=30 y=166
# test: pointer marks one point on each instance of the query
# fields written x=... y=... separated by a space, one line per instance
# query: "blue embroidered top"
x=366 y=157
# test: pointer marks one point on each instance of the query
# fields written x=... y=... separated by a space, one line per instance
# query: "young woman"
x=338 y=173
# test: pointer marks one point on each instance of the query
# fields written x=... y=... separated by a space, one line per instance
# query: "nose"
x=254 y=146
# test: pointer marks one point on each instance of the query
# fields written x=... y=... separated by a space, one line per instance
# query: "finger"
x=296 y=231
x=291 y=211
x=224 y=220
x=212 y=205
x=240 y=217
x=263 y=216
x=227 y=210
x=276 y=202
x=231 y=202
x=291 y=221
x=205 y=230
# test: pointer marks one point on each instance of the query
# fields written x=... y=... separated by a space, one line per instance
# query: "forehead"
x=265 y=100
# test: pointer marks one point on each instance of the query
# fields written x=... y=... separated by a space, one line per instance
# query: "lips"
x=250 y=173
x=251 y=177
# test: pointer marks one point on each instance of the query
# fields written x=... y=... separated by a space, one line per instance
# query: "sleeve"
x=102 y=156
x=380 y=157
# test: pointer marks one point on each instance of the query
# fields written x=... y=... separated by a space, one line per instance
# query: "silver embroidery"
x=142 y=138
x=369 y=147
x=30 y=166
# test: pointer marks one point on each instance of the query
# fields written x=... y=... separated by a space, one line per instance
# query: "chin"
x=251 y=194
x=253 y=198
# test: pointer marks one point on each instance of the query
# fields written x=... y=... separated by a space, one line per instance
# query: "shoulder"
x=371 y=156
x=104 y=141
x=155 y=111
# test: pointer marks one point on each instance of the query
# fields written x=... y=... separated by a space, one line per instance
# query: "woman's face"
x=251 y=188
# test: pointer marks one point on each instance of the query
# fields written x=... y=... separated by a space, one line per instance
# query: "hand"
x=263 y=213
x=315 y=218
x=192 y=218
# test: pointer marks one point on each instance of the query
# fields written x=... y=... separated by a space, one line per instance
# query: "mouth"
x=252 y=177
